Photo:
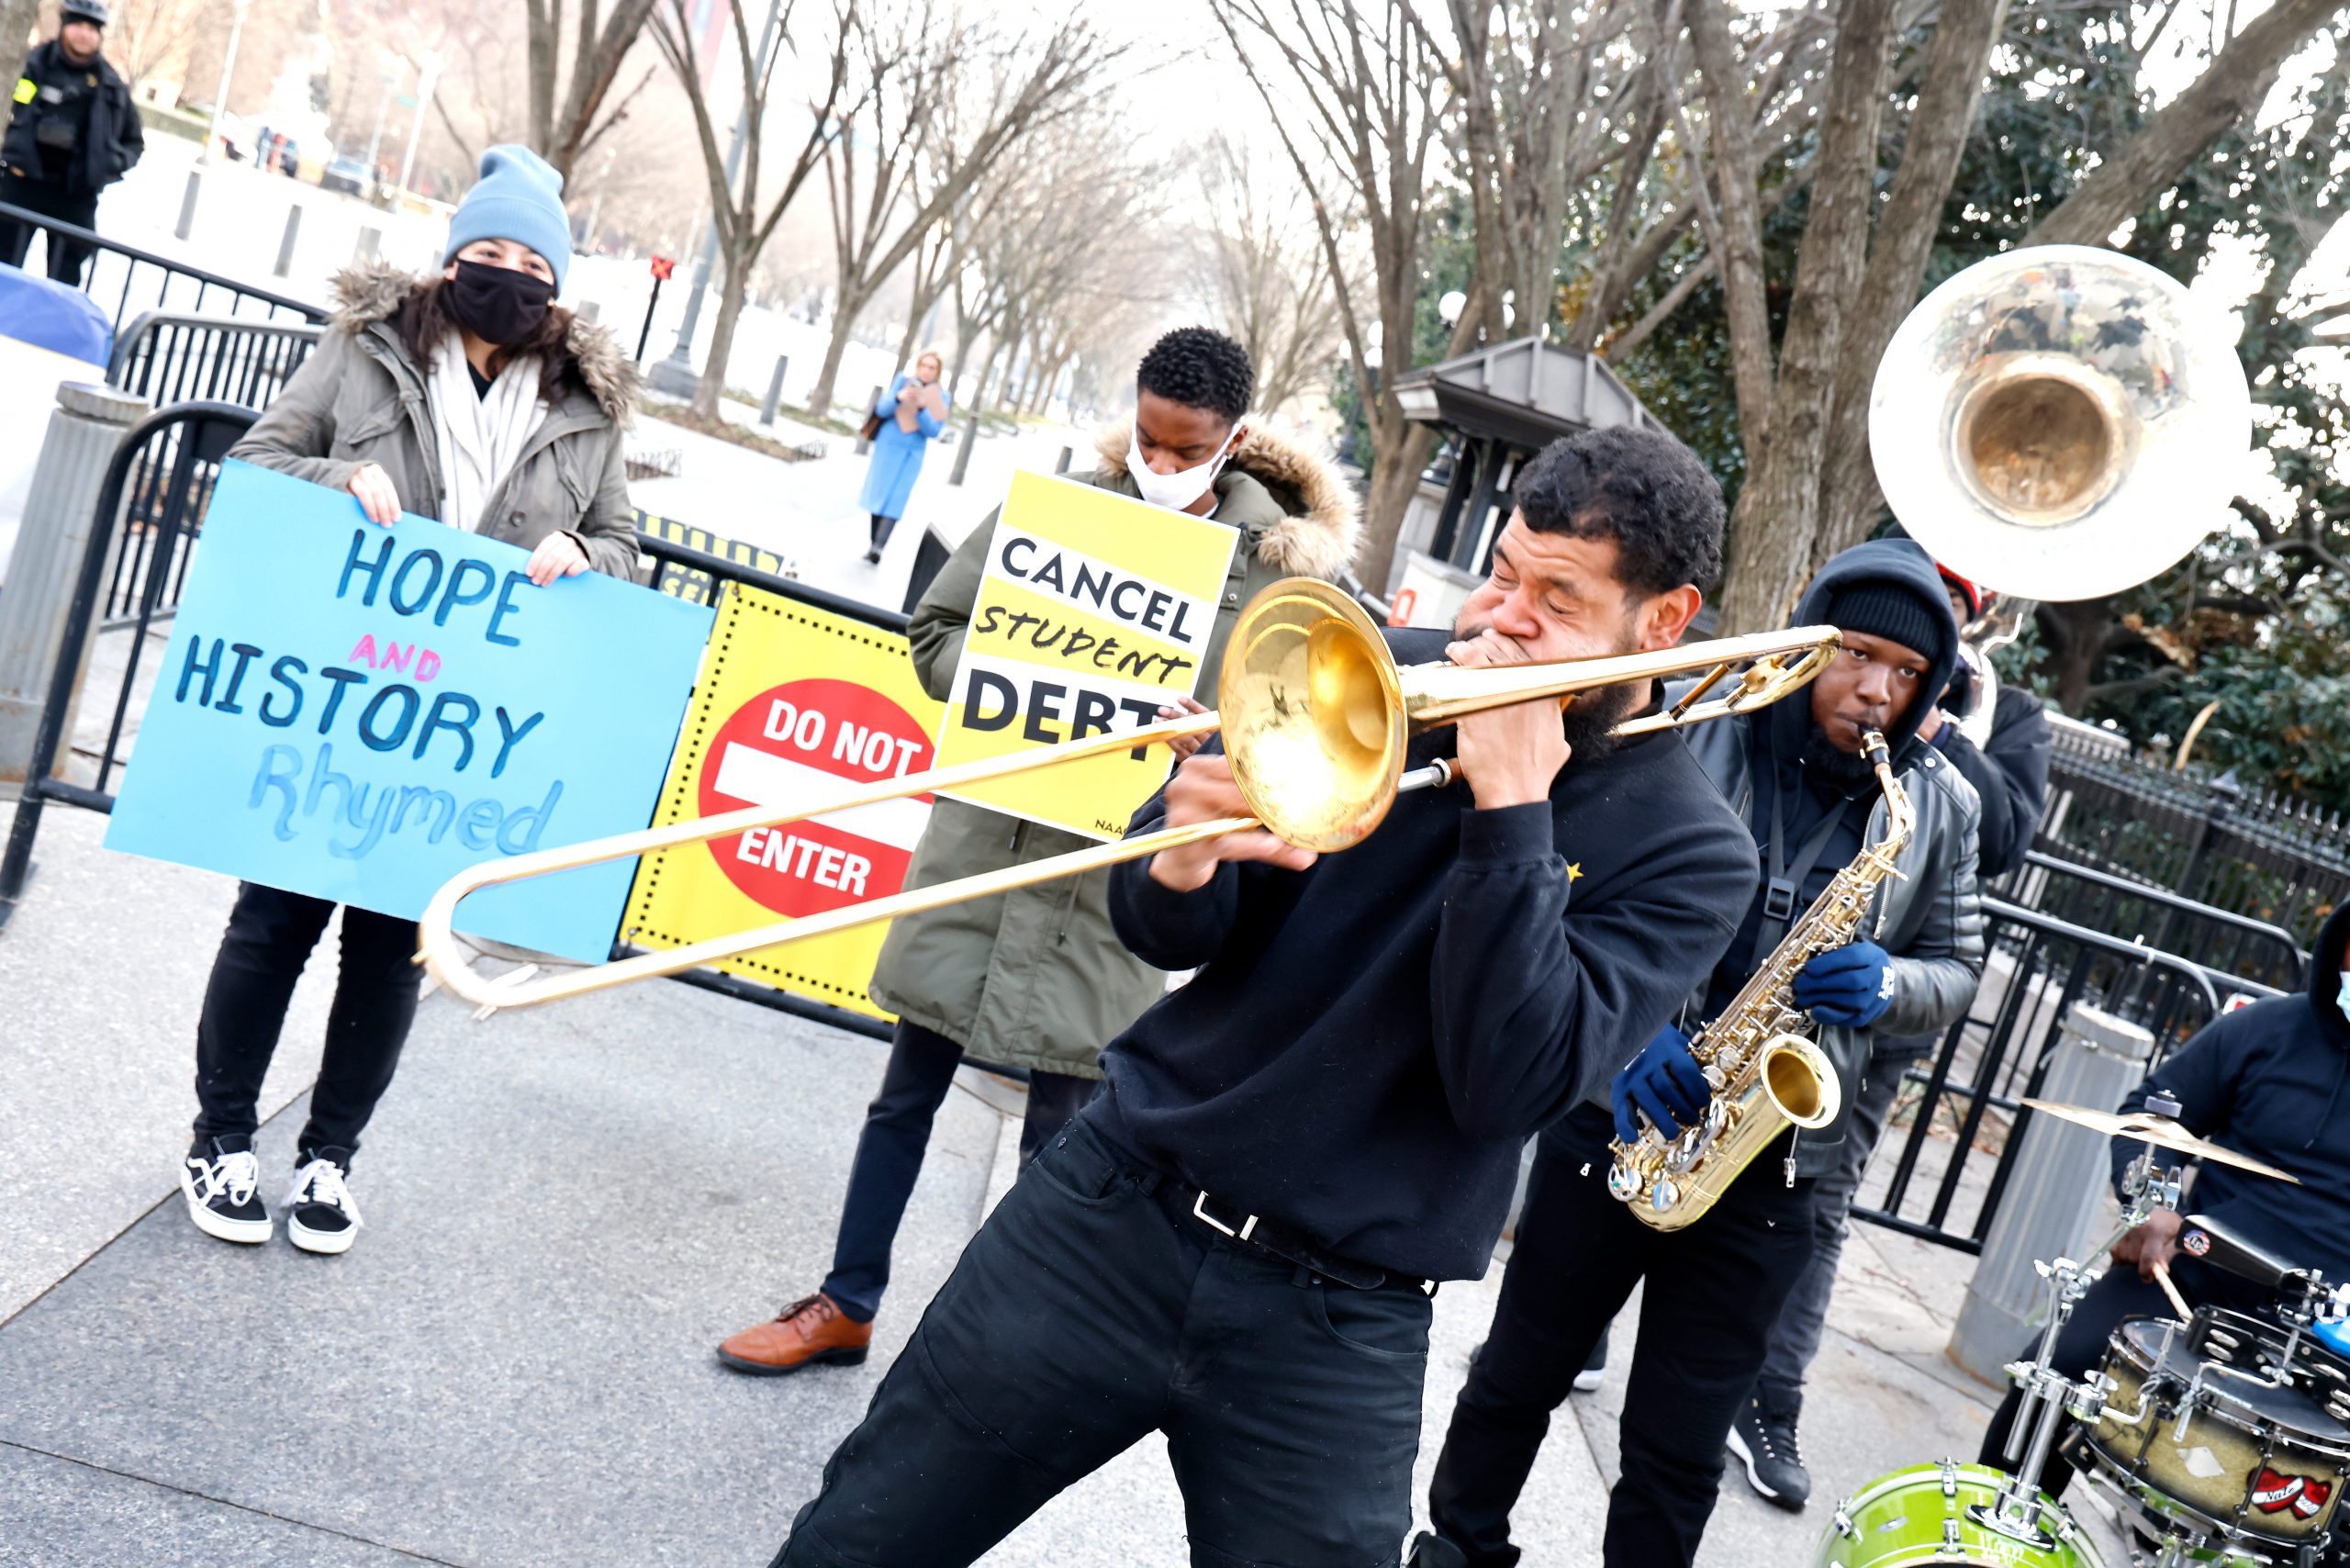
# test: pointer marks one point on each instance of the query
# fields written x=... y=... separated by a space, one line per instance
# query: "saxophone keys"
x=1665 y=1195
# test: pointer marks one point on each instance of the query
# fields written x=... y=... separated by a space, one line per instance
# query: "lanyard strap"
x=1782 y=885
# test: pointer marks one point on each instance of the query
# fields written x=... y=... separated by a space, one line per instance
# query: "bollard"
x=775 y=392
x=963 y=448
x=1060 y=465
x=187 y=206
x=286 y=246
x=2053 y=1193
x=863 y=446
x=83 y=433
x=365 y=251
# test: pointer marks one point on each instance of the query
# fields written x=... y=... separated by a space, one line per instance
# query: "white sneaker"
x=319 y=1214
x=219 y=1178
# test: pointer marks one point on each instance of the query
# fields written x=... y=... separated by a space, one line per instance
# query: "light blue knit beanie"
x=517 y=197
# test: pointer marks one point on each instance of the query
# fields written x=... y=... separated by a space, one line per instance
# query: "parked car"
x=351 y=175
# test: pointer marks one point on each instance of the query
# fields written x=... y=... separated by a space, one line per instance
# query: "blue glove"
x=1850 y=986
x=1664 y=1081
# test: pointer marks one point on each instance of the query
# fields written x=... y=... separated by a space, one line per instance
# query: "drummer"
x=2267 y=1081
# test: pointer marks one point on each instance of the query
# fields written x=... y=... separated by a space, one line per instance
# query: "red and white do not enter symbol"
x=805 y=741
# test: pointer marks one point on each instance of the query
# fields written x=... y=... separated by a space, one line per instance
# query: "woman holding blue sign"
x=470 y=396
x=901 y=424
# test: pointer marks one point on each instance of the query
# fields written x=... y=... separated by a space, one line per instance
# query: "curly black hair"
x=1199 y=368
x=1641 y=488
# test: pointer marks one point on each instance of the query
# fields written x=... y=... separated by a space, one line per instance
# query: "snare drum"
x=1929 y=1513
x=2256 y=1456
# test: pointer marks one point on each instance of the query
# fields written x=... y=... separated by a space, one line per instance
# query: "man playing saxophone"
x=1814 y=805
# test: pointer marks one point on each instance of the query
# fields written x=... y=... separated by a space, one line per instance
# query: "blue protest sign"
x=360 y=713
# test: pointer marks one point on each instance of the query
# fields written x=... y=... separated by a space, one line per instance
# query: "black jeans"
x=270 y=933
x=890 y=1150
x=881 y=529
x=51 y=200
x=1712 y=1292
x=1090 y=1311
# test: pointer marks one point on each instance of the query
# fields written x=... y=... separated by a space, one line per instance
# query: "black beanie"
x=1887 y=609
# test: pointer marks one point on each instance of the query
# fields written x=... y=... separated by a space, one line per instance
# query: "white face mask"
x=1178 y=490
x=2342 y=998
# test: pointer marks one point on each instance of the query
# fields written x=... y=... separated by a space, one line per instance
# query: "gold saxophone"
x=1765 y=1073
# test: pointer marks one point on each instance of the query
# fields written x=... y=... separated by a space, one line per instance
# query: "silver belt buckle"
x=1199 y=1213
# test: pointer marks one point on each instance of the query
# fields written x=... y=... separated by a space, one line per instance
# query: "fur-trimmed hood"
x=1321 y=524
x=373 y=292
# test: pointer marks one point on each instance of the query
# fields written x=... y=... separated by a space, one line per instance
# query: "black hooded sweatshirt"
x=1370 y=1042
x=1810 y=778
x=2271 y=1081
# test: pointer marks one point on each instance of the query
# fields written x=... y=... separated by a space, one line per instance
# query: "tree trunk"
x=1782 y=481
x=1740 y=241
x=2074 y=637
x=712 y=384
x=1950 y=88
x=1399 y=450
x=845 y=311
x=16 y=19
x=2231 y=87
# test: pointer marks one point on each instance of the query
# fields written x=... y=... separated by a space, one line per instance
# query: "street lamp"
x=674 y=376
x=427 y=73
x=220 y=95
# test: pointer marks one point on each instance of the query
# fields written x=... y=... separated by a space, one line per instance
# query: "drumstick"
x=2162 y=1278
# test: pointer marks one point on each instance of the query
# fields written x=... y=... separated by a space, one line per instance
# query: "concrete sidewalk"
x=565 y=1209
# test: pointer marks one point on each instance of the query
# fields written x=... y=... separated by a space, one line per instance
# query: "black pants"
x=881 y=527
x=890 y=1150
x=270 y=933
x=1712 y=1292
x=51 y=200
x=1090 y=1311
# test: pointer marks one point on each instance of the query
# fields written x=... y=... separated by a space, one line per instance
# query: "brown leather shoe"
x=810 y=1331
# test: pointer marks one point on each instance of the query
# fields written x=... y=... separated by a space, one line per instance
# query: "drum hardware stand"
x=2048 y=1397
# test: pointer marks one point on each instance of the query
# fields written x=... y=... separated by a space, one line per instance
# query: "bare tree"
x=1263 y=277
x=917 y=60
x=16 y=20
x=564 y=124
x=1360 y=125
x=746 y=217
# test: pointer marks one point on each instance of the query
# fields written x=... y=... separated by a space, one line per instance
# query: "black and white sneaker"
x=1594 y=1367
x=1763 y=1437
x=219 y=1177
x=320 y=1215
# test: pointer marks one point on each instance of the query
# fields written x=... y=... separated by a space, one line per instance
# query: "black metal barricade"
x=2233 y=943
x=169 y=357
x=1959 y=1119
x=128 y=263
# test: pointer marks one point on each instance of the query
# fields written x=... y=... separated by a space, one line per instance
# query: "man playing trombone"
x=1236 y=1244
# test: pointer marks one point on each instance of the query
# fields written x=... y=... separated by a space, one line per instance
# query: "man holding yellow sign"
x=1068 y=611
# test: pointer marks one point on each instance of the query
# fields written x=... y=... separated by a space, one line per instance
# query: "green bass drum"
x=1930 y=1516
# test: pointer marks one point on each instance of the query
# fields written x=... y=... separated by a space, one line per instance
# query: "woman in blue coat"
x=914 y=414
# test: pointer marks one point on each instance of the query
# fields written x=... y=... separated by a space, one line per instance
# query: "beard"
x=1841 y=768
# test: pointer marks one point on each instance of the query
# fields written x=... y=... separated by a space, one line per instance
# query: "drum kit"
x=2224 y=1437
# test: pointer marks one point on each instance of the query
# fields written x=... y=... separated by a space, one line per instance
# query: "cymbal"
x=2160 y=1131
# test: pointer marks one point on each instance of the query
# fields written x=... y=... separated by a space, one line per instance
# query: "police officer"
x=73 y=132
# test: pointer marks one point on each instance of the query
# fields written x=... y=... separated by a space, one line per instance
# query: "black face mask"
x=497 y=305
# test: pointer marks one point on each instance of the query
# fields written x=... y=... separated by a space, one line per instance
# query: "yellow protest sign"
x=794 y=701
x=1095 y=609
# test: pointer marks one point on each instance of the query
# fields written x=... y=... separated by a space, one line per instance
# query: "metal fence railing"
x=172 y=356
x=1943 y=1163
x=2282 y=861
x=2220 y=940
x=142 y=280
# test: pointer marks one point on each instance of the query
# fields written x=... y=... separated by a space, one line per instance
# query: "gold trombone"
x=1315 y=714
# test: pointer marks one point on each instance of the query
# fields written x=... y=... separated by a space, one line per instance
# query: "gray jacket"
x=1928 y=918
x=359 y=398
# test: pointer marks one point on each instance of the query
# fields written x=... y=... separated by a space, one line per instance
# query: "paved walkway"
x=564 y=1209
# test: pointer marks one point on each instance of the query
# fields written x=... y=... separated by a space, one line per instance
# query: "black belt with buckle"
x=1284 y=1241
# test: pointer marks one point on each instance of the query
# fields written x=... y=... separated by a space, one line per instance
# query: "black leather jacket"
x=105 y=145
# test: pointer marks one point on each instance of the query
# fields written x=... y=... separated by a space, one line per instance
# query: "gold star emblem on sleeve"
x=1574 y=870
